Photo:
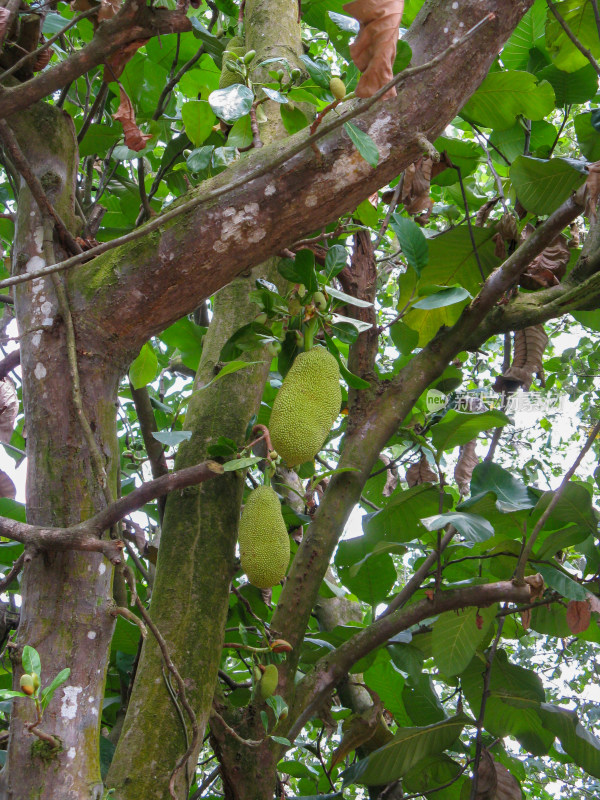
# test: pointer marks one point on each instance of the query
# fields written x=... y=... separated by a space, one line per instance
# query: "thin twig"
x=469 y=223
x=390 y=211
x=12 y=574
x=121 y=611
x=263 y=168
x=520 y=569
x=234 y=733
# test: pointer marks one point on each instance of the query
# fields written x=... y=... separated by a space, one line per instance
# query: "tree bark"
x=66 y=595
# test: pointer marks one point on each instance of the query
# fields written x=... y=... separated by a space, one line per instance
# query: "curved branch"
x=333 y=667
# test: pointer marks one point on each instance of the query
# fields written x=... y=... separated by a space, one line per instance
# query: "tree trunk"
x=66 y=596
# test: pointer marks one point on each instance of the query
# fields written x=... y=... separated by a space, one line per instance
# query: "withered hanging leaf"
x=467 y=461
x=43 y=59
x=9 y=408
x=82 y=5
x=4 y=20
x=495 y=782
x=114 y=66
x=416 y=186
x=7 y=487
x=574 y=241
x=134 y=138
x=356 y=731
x=536 y=585
x=578 y=615
x=108 y=9
x=507 y=227
x=374 y=49
x=500 y=245
x=507 y=787
x=528 y=350
x=485 y=211
x=549 y=267
x=391 y=483
x=526 y=618
x=420 y=473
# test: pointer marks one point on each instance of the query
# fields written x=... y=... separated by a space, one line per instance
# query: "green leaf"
x=400 y=519
x=172 y=438
x=511 y=142
x=376 y=575
x=579 y=17
x=53 y=23
x=503 y=96
x=58 y=681
x=241 y=463
x=561 y=583
x=199 y=159
x=232 y=103
x=529 y=33
x=31 y=660
x=278 y=704
x=293 y=119
x=587 y=136
x=404 y=338
x=300 y=270
x=363 y=143
x=420 y=698
x=407 y=748
x=281 y=739
x=542 y=185
x=445 y=297
x=99 y=138
x=512 y=493
x=386 y=680
x=403 y=56
x=198 y=120
x=347 y=298
x=571 y=87
x=144 y=368
x=277 y=97
x=459 y=428
x=228 y=369
x=335 y=260
x=412 y=241
x=318 y=72
x=471 y=526
x=457 y=635
x=580 y=744
x=5 y=694
x=430 y=775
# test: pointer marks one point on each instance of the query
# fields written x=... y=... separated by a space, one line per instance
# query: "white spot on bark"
x=311 y=200
x=455 y=5
x=46 y=307
x=47 y=322
x=256 y=235
x=38 y=238
x=378 y=132
x=39 y=371
x=102 y=568
x=219 y=246
x=238 y=226
x=269 y=190
x=71 y=752
x=445 y=30
x=35 y=263
x=69 y=703
x=91 y=635
x=461 y=25
x=36 y=339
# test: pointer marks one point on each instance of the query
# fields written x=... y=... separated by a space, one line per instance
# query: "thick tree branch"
x=333 y=667
x=133 y=22
x=242 y=216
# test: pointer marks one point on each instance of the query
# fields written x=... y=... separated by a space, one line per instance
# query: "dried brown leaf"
x=467 y=461
x=7 y=487
x=82 y=5
x=416 y=186
x=9 y=408
x=592 y=192
x=536 y=584
x=500 y=246
x=578 y=615
x=507 y=227
x=357 y=731
x=526 y=618
x=507 y=786
x=485 y=211
x=495 y=782
x=134 y=138
x=115 y=64
x=528 y=350
x=374 y=49
x=549 y=267
x=420 y=473
x=108 y=9
x=4 y=20
x=393 y=479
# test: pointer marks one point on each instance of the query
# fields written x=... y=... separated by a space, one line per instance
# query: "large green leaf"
x=503 y=96
x=384 y=679
x=571 y=87
x=511 y=142
x=412 y=241
x=459 y=428
x=529 y=33
x=542 y=185
x=457 y=635
x=579 y=16
x=513 y=705
x=580 y=744
x=363 y=143
x=198 y=119
x=562 y=583
x=472 y=527
x=144 y=367
x=376 y=575
x=399 y=520
x=433 y=773
x=231 y=103
x=421 y=701
x=573 y=519
x=512 y=493
x=464 y=154
x=404 y=751
x=588 y=137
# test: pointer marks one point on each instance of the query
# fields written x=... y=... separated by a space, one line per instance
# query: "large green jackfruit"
x=263 y=539
x=268 y=682
x=306 y=406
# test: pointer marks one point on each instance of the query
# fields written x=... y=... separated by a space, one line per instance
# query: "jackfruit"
x=306 y=406
x=268 y=682
x=337 y=88
x=263 y=539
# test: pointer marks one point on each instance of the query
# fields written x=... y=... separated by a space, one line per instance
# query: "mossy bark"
x=66 y=596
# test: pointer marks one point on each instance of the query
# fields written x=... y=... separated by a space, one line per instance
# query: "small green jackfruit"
x=235 y=47
x=269 y=681
x=306 y=406
x=263 y=539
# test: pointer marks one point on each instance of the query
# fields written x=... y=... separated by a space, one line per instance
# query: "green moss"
x=45 y=751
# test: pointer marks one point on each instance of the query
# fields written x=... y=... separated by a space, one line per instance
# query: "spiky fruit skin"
x=337 y=88
x=269 y=681
x=306 y=406
x=263 y=539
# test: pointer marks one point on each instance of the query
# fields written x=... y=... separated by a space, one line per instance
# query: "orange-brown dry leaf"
x=494 y=781
x=549 y=267
x=114 y=66
x=82 y=5
x=528 y=350
x=393 y=479
x=134 y=138
x=108 y=8
x=507 y=786
x=9 y=408
x=416 y=186
x=420 y=473
x=578 y=615
x=526 y=618
x=467 y=461
x=485 y=211
x=357 y=731
x=500 y=246
x=7 y=487
x=536 y=585
x=374 y=49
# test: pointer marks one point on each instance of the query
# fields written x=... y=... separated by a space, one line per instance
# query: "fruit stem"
x=309 y=333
